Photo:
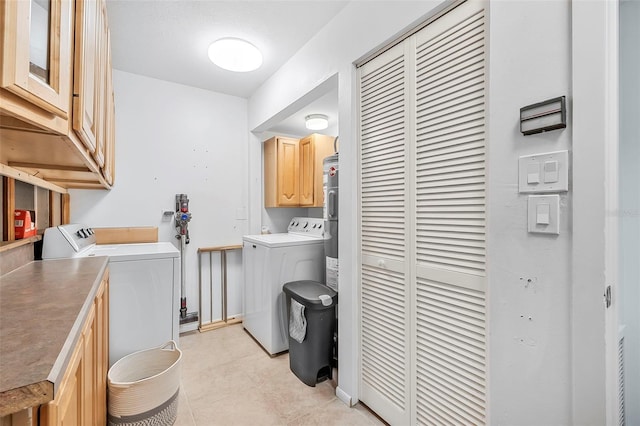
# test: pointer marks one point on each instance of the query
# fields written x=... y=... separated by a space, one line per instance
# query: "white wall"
x=173 y=139
x=531 y=371
x=529 y=274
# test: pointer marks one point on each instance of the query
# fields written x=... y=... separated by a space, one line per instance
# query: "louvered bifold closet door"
x=384 y=353
x=450 y=219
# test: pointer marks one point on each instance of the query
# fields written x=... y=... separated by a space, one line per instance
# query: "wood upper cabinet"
x=37 y=38
x=293 y=170
x=57 y=113
x=81 y=398
x=90 y=76
x=108 y=169
x=281 y=172
x=307 y=167
x=86 y=72
x=313 y=150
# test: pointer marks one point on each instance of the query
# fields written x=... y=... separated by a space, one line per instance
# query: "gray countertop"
x=43 y=306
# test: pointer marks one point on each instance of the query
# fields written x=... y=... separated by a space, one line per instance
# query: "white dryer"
x=270 y=261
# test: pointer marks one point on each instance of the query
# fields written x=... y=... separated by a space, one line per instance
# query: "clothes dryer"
x=270 y=261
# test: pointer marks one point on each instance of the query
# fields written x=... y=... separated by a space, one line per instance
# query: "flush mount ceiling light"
x=235 y=54
x=316 y=121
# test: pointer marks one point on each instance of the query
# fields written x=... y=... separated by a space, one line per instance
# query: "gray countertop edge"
x=42 y=391
x=60 y=365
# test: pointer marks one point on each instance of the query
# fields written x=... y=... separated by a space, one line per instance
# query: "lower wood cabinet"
x=81 y=398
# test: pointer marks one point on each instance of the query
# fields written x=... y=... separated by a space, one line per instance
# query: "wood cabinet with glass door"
x=35 y=72
x=69 y=94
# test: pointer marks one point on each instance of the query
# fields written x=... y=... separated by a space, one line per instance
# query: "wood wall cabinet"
x=313 y=150
x=87 y=72
x=36 y=61
x=109 y=128
x=91 y=77
x=293 y=170
x=281 y=172
x=53 y=123
x=81 y=398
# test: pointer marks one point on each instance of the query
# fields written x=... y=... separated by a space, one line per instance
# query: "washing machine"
x=144 y=286
x=270 y=261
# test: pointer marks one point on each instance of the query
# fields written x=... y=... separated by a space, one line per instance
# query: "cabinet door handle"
x=253 y=245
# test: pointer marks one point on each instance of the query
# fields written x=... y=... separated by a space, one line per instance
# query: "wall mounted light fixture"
x=316 y=121
x=543 y=116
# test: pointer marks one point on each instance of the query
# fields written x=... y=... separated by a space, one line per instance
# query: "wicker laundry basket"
x=143 y=387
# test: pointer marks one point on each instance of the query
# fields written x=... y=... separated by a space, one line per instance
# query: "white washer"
x=143 y=286
x=270 y=261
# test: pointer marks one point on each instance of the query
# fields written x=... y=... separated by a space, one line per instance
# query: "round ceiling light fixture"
x=234 y=54
x=316 y=121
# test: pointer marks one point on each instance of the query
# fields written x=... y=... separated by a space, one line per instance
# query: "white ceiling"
x=168 y=39
x=293 y=125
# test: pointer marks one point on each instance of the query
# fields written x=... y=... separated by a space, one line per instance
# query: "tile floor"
x=228 y=379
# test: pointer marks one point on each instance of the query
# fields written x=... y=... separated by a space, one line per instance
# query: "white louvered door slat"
x=450 y=219
x=384 y=350
x=423 y=224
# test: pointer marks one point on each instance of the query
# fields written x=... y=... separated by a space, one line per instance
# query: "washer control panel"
x=66 y=241
x=307 y=226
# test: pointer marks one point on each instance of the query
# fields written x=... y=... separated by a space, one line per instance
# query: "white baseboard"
x=190 y=326
x=343 y=396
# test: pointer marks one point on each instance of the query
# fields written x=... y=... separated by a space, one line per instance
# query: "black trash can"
x=311 y=349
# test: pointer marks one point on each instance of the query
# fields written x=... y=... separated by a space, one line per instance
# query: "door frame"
x=594 y=32
x=612 y=125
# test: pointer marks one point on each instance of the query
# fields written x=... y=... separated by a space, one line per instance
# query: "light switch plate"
x=543 y=208
x=553 y=170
